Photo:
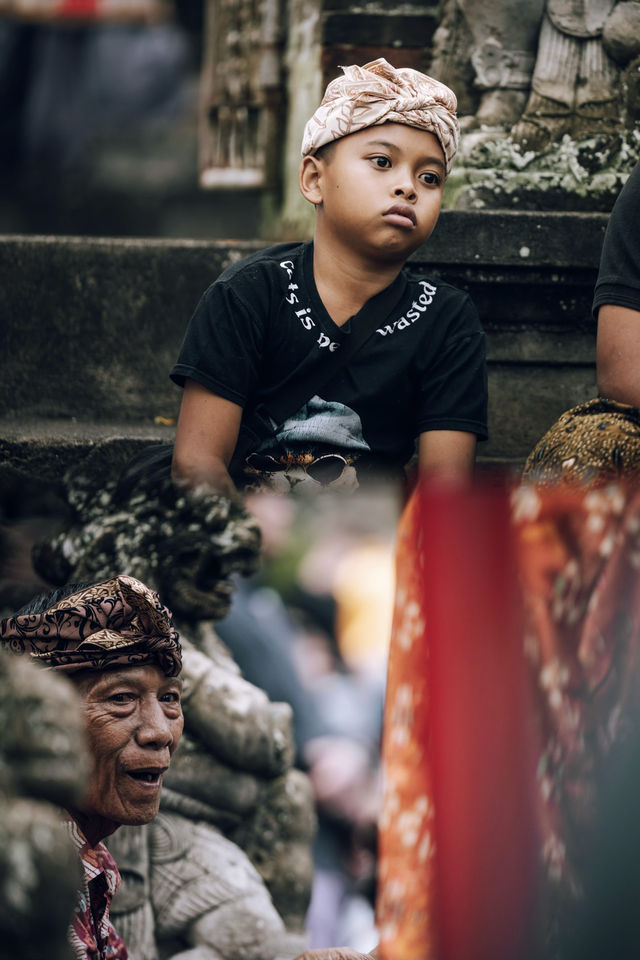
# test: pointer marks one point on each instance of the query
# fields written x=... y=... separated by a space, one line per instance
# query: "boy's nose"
x=405 y=191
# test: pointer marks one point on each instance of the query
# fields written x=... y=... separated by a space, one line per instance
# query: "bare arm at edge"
x=206 y=437
x=447 y=454
x=618 y=354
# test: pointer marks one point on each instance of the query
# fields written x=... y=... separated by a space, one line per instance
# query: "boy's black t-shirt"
x=422 y=369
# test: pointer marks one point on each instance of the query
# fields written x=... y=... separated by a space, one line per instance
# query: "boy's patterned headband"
x=378 y=93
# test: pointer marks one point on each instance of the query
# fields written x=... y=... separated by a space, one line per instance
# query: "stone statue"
x=185 y=546
x=43 y=763
x=549 y=96
x=225 y=871
x=543 y=69
x=574 y=84
x=502 y=36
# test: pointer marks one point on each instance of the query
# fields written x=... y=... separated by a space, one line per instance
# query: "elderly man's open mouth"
x=151 y=776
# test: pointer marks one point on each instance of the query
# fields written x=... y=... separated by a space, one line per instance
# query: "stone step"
x=89 y=328
x=47 y=448
x=44 y=450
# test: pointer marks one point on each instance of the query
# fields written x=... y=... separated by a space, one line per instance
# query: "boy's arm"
x=618 y=354
x=206 y=437
x=447 y=454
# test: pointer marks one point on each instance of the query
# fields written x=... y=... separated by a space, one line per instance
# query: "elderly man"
x=115 y=641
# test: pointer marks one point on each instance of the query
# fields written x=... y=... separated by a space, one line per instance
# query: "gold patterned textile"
x=378 y=93
x=594 y=443
x=115 y=622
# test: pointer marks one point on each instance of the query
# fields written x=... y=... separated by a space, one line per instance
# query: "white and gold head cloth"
x=378 y=93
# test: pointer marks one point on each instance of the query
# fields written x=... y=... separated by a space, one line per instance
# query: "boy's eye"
x=432 y=179
x=381 y=161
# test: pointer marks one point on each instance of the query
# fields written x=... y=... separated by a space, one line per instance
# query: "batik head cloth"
x=378 y=93
x=118 y=622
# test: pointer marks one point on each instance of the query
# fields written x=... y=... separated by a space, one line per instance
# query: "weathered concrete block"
x=531 y=277
x=92 y=327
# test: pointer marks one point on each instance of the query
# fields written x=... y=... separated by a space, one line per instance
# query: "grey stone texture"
x=90 y=328
x=97 y=323
x=43 y=765
x=548 y=98
x=621 y=34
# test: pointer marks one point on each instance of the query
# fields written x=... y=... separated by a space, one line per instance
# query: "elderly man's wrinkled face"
x=134 y=721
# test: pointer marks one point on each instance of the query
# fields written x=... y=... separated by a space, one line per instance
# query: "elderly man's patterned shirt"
x=91 y=932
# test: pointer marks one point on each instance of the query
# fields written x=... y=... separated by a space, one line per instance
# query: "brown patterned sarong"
x=593 y=443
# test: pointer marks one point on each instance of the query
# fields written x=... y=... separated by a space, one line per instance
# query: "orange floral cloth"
x=579 y=562
x=512 y=675
x=406 y=907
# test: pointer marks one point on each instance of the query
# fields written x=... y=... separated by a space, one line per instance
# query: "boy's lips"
x=401 y=215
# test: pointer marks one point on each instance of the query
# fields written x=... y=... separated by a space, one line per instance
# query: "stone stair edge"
x=527 y=239
x=17 y=430
x=40 y=446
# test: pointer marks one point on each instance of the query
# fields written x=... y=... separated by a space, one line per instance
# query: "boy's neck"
x=345 y=283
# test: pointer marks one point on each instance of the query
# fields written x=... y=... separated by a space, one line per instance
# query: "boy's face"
x=380 y=190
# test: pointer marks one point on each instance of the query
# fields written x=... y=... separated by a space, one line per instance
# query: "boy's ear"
x=310 y=179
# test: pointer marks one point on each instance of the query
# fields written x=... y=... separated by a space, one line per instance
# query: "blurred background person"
x=98 y=109
x=312 y=628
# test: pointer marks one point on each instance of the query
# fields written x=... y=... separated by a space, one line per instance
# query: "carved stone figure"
x=502 y=37
x=185 y=547
x=549 y=99
x=225 y=872
x=43 y=762
x=574 y=83
x=543 y=69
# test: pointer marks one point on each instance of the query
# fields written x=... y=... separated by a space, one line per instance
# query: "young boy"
x=375 y=158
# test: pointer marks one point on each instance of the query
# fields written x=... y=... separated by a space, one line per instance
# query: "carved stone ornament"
x=550 y=101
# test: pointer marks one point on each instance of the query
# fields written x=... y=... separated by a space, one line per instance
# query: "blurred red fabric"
x=458 y=749
x=513 y=675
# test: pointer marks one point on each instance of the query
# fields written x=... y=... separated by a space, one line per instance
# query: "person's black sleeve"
x=453 y=392
x=223 y=345
x=618 y=280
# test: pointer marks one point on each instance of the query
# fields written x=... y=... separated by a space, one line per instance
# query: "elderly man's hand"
x=335 y=953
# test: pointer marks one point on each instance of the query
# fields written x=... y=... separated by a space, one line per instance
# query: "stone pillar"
x=241 y=94
x=304 y=92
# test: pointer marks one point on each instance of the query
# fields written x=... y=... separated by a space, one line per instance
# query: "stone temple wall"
x=88 y=332
x=90 y=328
